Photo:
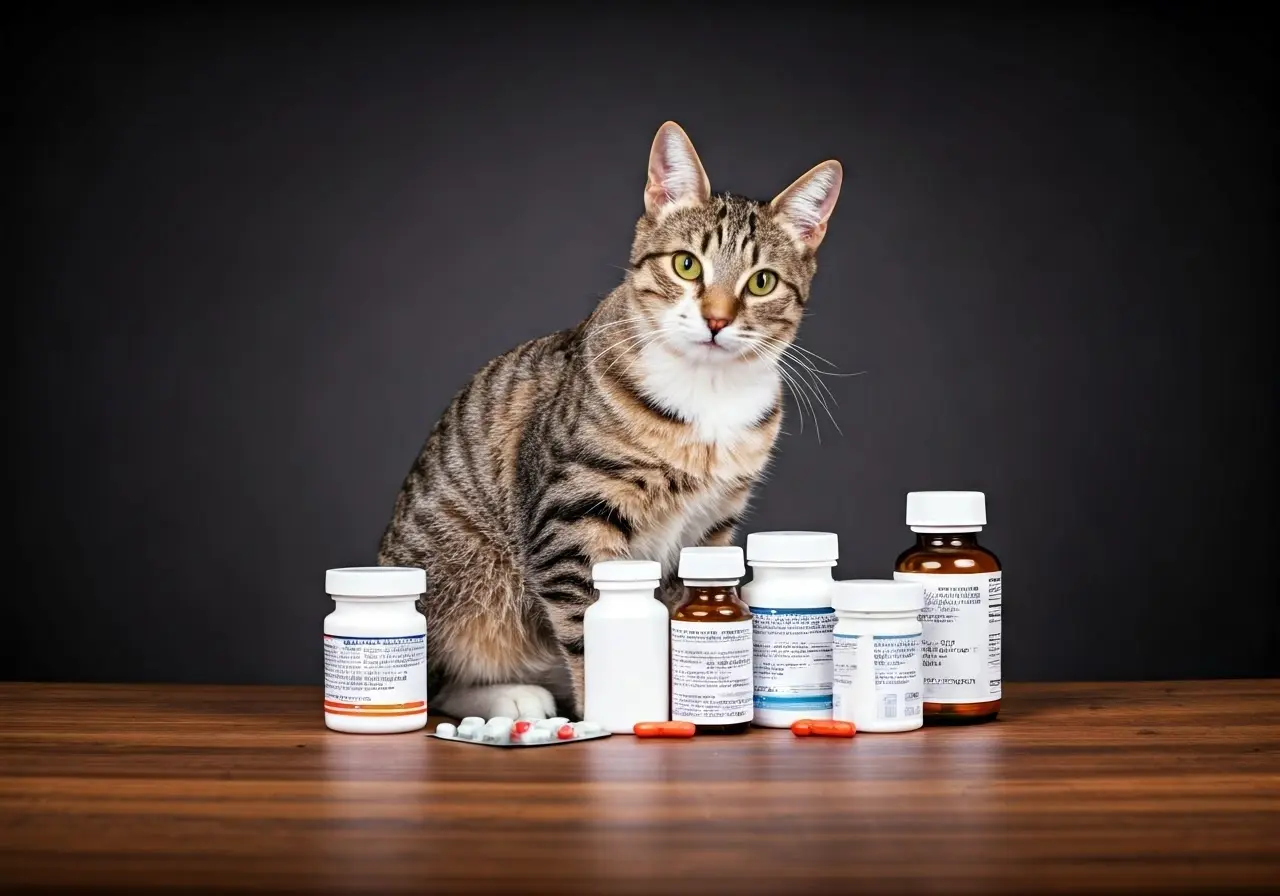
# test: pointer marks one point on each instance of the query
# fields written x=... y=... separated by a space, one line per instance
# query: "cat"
x=639 y=431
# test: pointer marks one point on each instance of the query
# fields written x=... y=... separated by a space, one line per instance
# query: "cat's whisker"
x=635 y=350
x=817 y=394
x=793 y=366
x=802 y=401
x=800 y=360
x=800 y=392
x=798 y=347
x=625 y=320
x=808 y=389
x=794 y=346
x=786 y=381
x=621 y=342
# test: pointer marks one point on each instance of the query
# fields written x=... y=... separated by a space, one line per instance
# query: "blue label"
x=797 y=703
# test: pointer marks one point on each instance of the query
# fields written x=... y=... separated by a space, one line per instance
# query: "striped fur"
x=632 y=434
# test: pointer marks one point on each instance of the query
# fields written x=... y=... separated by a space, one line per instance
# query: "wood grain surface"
x=1157 y=787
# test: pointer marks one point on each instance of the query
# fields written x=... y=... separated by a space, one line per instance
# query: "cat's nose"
x=716 y=324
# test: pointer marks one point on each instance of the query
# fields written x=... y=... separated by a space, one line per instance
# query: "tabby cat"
x=639 y=431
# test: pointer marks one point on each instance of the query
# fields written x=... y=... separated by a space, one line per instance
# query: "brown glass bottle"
x=711 y=668
x=962 y=615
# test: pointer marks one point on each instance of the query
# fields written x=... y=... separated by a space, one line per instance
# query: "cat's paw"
x=514 y=701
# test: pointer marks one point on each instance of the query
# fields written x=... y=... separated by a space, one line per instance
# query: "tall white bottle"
x=626 y=637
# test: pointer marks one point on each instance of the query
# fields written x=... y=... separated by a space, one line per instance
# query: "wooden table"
x=1104 y=787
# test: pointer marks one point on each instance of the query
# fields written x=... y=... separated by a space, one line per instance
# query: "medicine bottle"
x=626 y=647
x=711 y=643
x=876 y=654
x=791 y=617
x=962 y=611
x=375 y=650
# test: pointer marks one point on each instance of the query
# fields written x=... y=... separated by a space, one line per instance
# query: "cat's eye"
x=687 y=267
x=762 y=283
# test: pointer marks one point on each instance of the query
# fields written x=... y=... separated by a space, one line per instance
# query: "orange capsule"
x=822 y=728
x=665 y=729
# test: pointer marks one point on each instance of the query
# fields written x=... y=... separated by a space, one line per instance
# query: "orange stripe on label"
x=375 y=715
x=412 y=705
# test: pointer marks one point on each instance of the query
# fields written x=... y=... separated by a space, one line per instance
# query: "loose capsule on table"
x=822 y=728
x=665 y=729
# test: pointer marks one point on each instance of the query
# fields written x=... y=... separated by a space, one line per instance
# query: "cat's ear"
x=804 y=207
x=676 y=176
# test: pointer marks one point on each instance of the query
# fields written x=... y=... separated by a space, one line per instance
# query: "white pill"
x=444 y=729
x=470 y=732
x=473 y=720
x=544 y=724
x=557 y=722
x=501 y=721
x=586 y=729
x=537 y=736
x=495 y=734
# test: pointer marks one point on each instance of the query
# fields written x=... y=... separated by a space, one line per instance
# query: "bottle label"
x=962 y=622
x=792 y=657
x=711 y=672
x=366 y=676
x=885 y=686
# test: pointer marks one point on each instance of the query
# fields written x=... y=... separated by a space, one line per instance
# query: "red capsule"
x=564 y=732
x=822 y=728
x=521 y=727
x=665 y=729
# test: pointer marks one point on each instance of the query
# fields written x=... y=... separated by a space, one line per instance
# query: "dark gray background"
x=256 y=256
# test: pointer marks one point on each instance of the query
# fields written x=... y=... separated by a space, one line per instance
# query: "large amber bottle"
x=962 y=612
x=711 y=650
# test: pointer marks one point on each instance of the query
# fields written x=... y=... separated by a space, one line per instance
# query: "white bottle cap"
x=627 y=571
x=877 y=596
x=712 y=564
x=375 y=581
x=792 y=547
x=946 y=511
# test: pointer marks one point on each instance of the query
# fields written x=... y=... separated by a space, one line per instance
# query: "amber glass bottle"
x=711 y=669
x=962 y=612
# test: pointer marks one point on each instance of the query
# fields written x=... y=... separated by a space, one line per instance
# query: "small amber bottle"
x=711 y=668
x=962 y=612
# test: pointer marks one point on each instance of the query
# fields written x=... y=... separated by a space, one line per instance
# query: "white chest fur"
x=722 y=400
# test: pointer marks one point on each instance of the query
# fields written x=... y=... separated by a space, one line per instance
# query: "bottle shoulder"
x=621 y=609
x=787 y=594
x=710 y=605
x=944 y=560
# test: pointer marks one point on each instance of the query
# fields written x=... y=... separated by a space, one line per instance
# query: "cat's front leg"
x=565 y=589
x=562 y=559
x=569 y=633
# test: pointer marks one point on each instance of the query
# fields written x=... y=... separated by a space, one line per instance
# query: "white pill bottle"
x=375 y=650
x=792 y=620
x=876 y=654
x=626 y=639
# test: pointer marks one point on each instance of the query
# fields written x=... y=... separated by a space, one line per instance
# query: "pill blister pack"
x=504 y=732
